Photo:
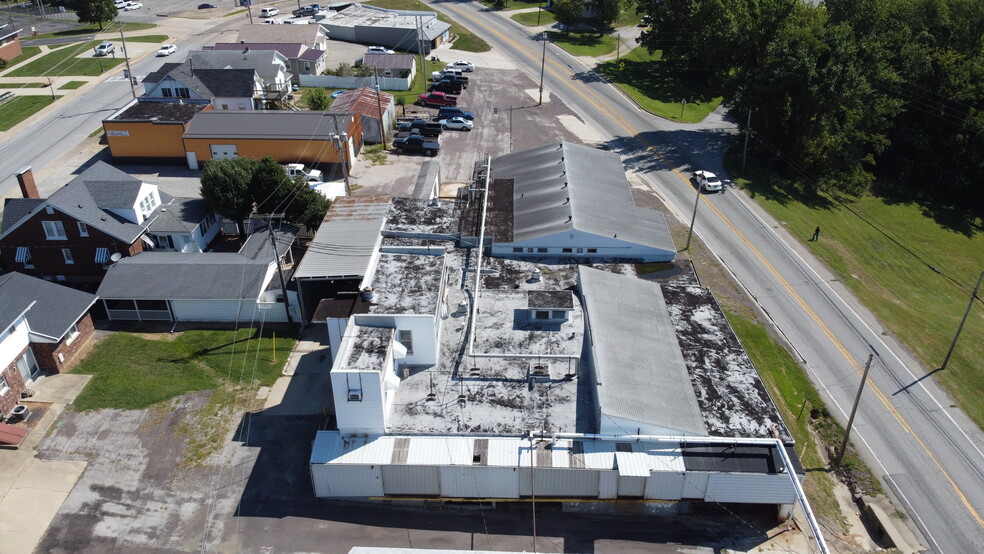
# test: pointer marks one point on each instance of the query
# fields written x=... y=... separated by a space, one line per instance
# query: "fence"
x=26 y=15
x=332 y=81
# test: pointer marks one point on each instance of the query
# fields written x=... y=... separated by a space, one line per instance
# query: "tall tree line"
x=844 y=91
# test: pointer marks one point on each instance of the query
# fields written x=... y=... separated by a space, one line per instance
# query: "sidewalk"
x=31 y=489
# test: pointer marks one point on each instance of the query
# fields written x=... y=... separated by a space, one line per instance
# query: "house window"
x=67 y=254
x=541 y=250
x=167 y=93
x=183 y=93
x=4 y=387
x=225 y=106
x=23 y=256
x=72 y=334
x=568 y=250
x=307 y=66
x=60 y=278
x=541 y=314
x=54 y=230
x=148 y=204
x=163 y=241
x=83 y=229
x=592 y=250
x=49 y=210
x=559 y=314
x=406 y=339
x=517 y=250
x=102 y=255
x=529 y=250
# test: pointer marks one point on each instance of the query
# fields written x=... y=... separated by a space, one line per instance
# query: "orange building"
x=150 y=130
x=310 y=137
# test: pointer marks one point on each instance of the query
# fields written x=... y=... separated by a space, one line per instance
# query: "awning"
x=23 y=255
x=11 y=435
x=102 y=255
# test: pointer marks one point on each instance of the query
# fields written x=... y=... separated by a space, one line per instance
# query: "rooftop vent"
x=535 y=275
x=366 y=294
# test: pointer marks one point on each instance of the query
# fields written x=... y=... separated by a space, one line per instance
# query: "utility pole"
x=543 y=61
x=539 y=10
x=683 y=104
x=343 y=159
x=618 y=46
x=379 y=106
x=129 y=73
x=748 y=131
x=850 y=420
x=700 y=187
x=420 y=49
x=280 y=269
x=970 y=304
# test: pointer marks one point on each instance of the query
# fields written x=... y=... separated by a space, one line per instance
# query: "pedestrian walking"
x=816 y=235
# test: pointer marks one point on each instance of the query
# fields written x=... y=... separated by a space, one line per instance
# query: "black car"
x=304 y=12
x=206 y=6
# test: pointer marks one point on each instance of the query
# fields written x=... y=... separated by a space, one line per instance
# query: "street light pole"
x=700 y=187
x=543 y=61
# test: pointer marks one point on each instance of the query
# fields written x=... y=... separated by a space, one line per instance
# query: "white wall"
x=359 y=417
x=225 y=310
x=423 y=328
x=607 y=247
x=337 y=480
x=14 y=341
x=612 y=425
x=233 y=103
x=135 y=214
x=333 y=81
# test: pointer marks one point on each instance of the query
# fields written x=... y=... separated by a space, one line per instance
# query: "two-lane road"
x=928 y=453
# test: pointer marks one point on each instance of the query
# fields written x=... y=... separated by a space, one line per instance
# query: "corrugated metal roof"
x=599 y=454
x=504 y=452
x=267 y=124
x=347 y=239
x=440 y=451
x=640 y=370
x=564 y=186
x=286 y=49
x=632 y=464
x=389 y=61
x=365 y=450
x=364 y=101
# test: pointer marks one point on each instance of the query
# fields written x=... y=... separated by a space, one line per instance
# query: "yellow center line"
x=602 y=106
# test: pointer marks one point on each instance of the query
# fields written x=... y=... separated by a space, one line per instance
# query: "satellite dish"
x=115 y=257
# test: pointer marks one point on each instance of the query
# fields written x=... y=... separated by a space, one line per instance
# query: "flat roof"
x=406 y=283
x=346 y=241
x=159 y=112
x=267 y=124
x=419 y=216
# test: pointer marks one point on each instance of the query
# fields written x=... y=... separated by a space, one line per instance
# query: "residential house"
x=312 y=36
x=10 y=46
x=43 y=328
x=399 y=29
x=73 y=235
x=309 y=137
x=301 y=59
x=228 y=80
x=215 y=286
x=398 y=66
x=184 y=225
x=378 y=111
x=145 y=131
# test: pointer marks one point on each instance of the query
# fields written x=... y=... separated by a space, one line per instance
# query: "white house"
x=571 y=201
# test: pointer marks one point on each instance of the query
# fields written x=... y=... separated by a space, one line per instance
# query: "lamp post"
x=543 y=61
x=700 y=187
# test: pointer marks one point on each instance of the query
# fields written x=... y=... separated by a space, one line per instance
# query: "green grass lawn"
x=148 y=38
x=94 y=30
x=657 y=90
x=419 y=85
x=628 y=18
x=583 y=44
x=131 y=371
x=22 y=85
x=71 y=85
x=467 y=40
x=26 y=52
x=530 y=18
x=516 y=4
x=14 y=111
x=63 y=62
x=232 y=13
x=914 y=267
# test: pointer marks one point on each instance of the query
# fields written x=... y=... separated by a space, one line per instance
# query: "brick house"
x=43 y=327
x=72 y=235
x=10 y=46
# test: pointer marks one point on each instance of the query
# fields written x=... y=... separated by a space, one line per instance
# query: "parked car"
x=461 y=65
x=460 y=79
x=707 y=181
x=304 y=12
x=437 y=99
x=416 y=144
x=121 y=4
x=457 y=123
x=426 y=128
x=167 y=50
x=205 y=6
x=379 y=50
x=298 y=170
x=131 y=6
x=269 y=12
x=105 y=49
x=451 y=111
x=446 y=86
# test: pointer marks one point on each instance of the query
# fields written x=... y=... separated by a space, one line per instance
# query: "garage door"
x=224 y=151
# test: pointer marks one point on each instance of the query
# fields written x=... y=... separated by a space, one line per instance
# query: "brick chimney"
x=25 y=178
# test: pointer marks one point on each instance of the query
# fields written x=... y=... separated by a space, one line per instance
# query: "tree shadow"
x=660 y=81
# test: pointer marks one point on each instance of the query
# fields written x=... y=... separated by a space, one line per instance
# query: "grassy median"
x=14 y=111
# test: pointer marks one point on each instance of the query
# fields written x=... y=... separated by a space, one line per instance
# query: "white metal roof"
x=347 y=239
x=640 y=370
x=431 y=451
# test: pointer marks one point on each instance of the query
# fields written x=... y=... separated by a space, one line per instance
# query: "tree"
x=3 y=64
x=568 y=12
x=606 y=12
x=226 y=188
x=499 y=4
x=317 y=99
x=96 y=11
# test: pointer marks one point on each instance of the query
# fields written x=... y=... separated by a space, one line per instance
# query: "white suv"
x=269 y=12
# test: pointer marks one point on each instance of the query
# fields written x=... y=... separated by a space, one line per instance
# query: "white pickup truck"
x=298 y=170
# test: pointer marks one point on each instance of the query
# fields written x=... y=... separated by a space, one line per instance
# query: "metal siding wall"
x=285 y=151
x=561 y=482
x=338 y=481
x=145 y=140
x=750 y=488
x=411 y=480
x=664 y=485
x=629 y=485
x=694 y=484
x=479 y=482
x=607 y=484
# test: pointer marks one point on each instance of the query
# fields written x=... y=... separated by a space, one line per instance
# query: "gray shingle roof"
x=258 y=246
x=347 y=239
x=641 y=372
x=161 y=72
x=56 y=310
x=267 y=124
x=287 y=49
x=15 y=209
x=564 y=186
x=178 y=276
x=305 y=34
x=180 y=215
x=227 y=82
x=266 y=63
